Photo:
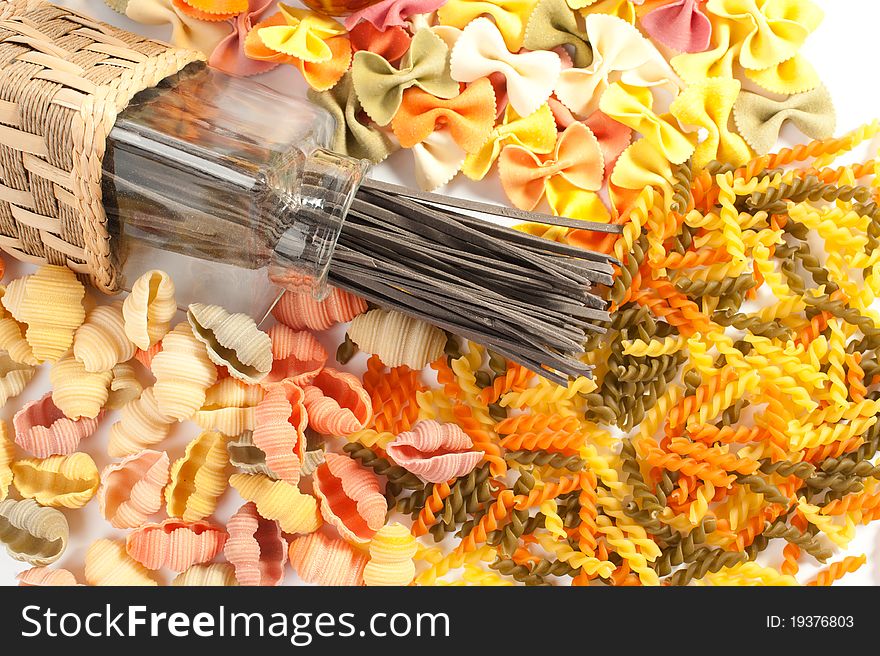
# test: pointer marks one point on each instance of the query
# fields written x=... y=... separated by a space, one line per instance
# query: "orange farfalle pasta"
x=255 y=548
x=391 y=44
x=435 y=452
x=323 y=560
x=131 y=490
x=42 y=429
x=337 y=403
x=175 y=544
x=469 y=116
x=577 y=159
x=299 y=311
x=296 y=355
x=350 y=497
x=280 y=421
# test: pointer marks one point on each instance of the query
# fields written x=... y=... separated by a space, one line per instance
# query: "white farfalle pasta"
x=107 y=563
x=132 y=489
x=233 y=341
x=141 y=425
x=14 y=377
x=229 y=406
x=57 y=481
x=198 y=478
x=437 y=160
x=149 y=309
x=125 y=386
x=77 y=392
x=31 y=533
x=101 y=343
x=397 y=338
x=183 y=372
x=52 y=308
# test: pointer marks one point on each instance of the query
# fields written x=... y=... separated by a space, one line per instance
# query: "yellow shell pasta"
x=52 y=309
x=233 y=341
x=12 y=336
x=77 y=392
x=57 y=481
x=140 y=426
x=14 y=377
x=198 y=478
x=107 y=563
x=13 y=297
x=124 y=386
x=391 y=557
x=100 y=343
x=149 y=309
x=210 y=575
x=396 y=338
x=294 y=511
x=7 y=455
x=183 y=372
x=229 y=407
x=31 y=533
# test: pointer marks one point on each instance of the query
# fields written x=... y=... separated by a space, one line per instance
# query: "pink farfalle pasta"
x=132 y=489
x=679 y=25
x=175 y=544
x=42 y=430
x=434 y=452
x=350 y=498
x=322 y=560
x=46 y=577
x=296 y=355
x=389 y=13
x=229 y=55
x=337 y=403
x=280 y=421
x=255 y=548
x=299 y=311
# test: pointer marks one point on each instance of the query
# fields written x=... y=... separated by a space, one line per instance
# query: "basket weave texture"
x=63 y=80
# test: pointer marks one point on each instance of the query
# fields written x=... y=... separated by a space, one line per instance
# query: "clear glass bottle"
x=225 y=184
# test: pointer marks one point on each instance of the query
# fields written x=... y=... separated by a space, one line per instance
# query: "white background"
x=842 y=50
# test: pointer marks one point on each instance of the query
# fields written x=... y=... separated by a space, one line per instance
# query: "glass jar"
x=225 y=184
x=338 y=7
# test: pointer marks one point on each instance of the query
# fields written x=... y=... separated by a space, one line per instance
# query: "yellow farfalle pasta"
x=392 y=550
x=397 y=338
x=124 y=386
x=32 y=533
x=229 y=407
x=14 y=377
x=212 y=575
x=233 y=341
x=198 y=478
x=149 y=309
x=12 y=335
x=183 y=373
x=107 y=563
x=77 y=392
x=100 y=343
x=52 y=309
x=7 y=454
x=140 y=426
x=57 y=481
x=294 y=511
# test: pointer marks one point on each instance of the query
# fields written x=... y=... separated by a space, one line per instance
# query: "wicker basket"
x=63 y=80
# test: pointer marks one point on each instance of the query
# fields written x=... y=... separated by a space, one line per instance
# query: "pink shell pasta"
x=323 y=560
x=350 y=498
x=337 y=403
x=255 y=548
x=280 y=421
x=42 y=430
x=296 y=355
x=175 y=544
x=46 y=577
x=131 y=490
x=300 y=311
x=434 y=452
